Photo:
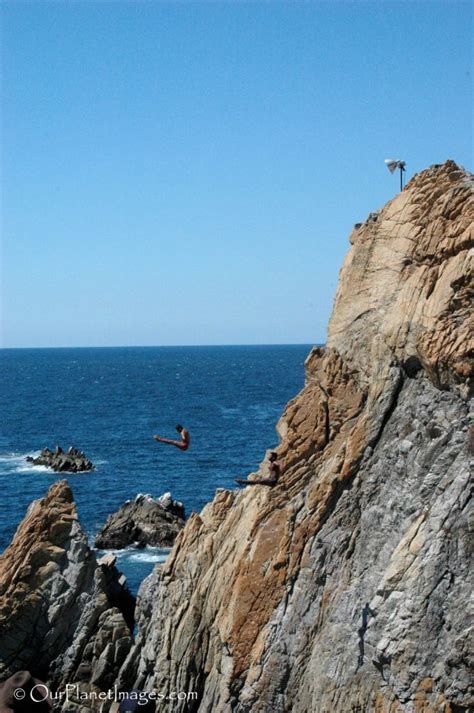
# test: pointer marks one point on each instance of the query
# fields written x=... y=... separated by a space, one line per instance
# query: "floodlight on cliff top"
x=393 y=164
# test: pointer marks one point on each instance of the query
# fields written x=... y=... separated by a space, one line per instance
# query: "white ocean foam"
x=141 y=556
x=132 y=554
x=30 y=468
x=16 y=457
x=17 y=463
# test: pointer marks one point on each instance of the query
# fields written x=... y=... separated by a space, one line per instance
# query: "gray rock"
x=74 y=461
x=145 y=521
x=346 y=588
x=23 y=682
x=59 y=608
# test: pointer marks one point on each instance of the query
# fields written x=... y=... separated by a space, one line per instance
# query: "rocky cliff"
x=63 y=616
x=344 y=587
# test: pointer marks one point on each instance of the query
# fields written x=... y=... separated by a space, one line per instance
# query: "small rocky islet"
x=71 y=461
x=145 y=521
x=345 y=586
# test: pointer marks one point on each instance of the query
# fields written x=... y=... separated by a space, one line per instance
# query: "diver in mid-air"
x=183 y=444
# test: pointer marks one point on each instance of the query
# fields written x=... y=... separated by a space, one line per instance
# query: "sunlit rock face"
x=345 y=586
x=63 y=616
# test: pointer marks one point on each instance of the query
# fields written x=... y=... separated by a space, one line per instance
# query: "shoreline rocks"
x=145 y=521
x=73 y=461
x=63 y=616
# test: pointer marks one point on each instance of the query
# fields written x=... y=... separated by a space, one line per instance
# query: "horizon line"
x=169 y=346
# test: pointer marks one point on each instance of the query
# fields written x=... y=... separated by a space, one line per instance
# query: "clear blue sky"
x=180 y=173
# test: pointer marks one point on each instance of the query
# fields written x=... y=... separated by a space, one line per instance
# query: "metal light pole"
x=393 y=164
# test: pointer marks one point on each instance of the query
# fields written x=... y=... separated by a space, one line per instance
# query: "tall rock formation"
x=344 y=587
x=63 y=616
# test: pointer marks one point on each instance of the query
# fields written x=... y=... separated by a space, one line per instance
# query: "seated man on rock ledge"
x=274 y=469
x=183 y=444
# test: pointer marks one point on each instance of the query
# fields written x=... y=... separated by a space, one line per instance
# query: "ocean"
x=109 y=402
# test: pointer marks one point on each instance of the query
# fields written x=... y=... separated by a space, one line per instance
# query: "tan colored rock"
x=57 y=605
x=343 y=588
x=405 y=286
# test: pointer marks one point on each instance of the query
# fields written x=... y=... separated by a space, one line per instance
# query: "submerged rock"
x=145 y=521
x=74 y=461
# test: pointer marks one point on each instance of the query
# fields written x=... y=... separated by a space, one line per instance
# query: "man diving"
x=183 y=444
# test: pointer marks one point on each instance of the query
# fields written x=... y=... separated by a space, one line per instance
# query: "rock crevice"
x=343 y=587
x=63 y=616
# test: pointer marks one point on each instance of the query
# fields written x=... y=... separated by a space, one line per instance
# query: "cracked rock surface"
x=63 y=616
x=345 y=587
x=145 y=521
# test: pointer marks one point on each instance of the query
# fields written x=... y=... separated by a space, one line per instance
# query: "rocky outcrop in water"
x=344 y=588
x=74 y=461
x=145 y=521
x=63 y=616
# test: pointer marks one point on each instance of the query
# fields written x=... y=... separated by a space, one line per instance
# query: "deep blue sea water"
x=110 y=401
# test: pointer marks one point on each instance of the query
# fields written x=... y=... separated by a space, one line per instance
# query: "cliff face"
x=344 y=587
x=62 y=615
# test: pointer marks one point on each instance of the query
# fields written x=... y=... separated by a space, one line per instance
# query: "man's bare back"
x=183 y=444
x=274 y=469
